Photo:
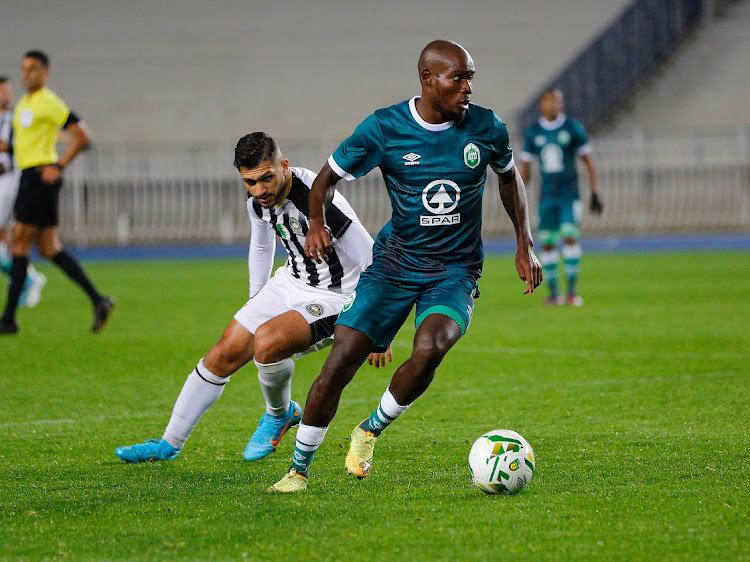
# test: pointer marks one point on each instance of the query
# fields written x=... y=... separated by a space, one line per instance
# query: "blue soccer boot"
x=270 y=431
x=151 y=450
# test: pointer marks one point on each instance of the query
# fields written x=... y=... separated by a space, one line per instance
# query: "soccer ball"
x=501 y=461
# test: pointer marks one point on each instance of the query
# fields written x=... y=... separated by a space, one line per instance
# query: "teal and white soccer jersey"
x=556 y=143
x=435 y=177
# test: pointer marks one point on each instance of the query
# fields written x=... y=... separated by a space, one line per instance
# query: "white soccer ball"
x=501 y=461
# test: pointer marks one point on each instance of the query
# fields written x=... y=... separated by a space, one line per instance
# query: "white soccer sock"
x=276 y=385
x=390 y=407
x=385 y=414
x=309 y=439
x=572 y=257
x=202 y=388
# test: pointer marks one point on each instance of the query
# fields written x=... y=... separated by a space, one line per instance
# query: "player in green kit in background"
x=433 y=152
x=557 y=139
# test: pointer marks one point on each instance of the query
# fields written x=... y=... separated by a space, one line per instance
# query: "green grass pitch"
x=637 y=406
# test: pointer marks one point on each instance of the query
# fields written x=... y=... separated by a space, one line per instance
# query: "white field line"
x=500 y=350
x=559 y=385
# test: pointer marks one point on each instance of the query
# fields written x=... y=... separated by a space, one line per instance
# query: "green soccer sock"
x=384 y=415
x=572 y=259
x=549 y=260
x=309 y=439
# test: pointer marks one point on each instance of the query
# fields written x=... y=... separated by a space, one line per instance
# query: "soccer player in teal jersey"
x=556 y=140
x=433 y=152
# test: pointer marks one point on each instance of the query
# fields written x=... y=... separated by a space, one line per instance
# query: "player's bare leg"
x=434 y=338
x=350 y=350
x=436 y=335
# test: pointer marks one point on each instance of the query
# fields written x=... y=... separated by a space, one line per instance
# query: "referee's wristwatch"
x=58 y=166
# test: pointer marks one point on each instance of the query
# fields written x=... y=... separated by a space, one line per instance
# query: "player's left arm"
x=513 y=195
x=79 y=140
x=584 y=151
x=596 y=204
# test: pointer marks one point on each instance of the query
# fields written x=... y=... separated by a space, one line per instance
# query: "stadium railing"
x=144 y=194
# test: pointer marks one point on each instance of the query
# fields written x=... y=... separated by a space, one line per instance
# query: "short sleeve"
x=529 y=146
x=359 y=153
x=337 y=221
x=502 y=154
x=59 y=111
x=580 y=139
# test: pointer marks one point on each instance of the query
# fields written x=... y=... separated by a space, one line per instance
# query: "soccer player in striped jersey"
x=9 y=177
x=290 y=314
x=557 y=140
x=433 y=152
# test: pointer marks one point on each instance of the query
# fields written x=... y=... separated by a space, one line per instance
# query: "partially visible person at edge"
x=9 y=177
x=37 y=119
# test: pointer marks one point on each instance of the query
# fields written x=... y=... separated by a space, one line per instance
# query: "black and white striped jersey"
x=6 y=134
x=352 y=245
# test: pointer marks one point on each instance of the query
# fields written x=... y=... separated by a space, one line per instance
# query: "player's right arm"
x=318 y=237
x=353 y=158
x=261 y=252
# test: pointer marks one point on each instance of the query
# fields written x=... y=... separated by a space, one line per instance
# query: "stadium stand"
x=705 y=83
x=210 y=71
x=168 y=87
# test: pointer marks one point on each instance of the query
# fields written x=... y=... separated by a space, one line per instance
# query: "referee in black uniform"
x=37 y=119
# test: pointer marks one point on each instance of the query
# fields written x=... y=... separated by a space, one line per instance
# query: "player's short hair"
x=4 y=78
x=254 y=148
x=41 y=56
x=551 y=90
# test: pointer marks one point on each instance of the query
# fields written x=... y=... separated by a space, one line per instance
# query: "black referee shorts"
x=37 y=203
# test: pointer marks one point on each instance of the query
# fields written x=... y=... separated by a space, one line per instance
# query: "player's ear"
x=425 y=76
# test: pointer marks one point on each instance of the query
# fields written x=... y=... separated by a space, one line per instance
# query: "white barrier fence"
x=148 y=194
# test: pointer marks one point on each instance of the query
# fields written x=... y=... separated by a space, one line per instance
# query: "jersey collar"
x=556 y=123
x=424 y=124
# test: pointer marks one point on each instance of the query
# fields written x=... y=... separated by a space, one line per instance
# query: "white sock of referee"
x=276 y=385
x=202 y=388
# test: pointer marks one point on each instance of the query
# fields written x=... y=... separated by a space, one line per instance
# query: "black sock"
x=17 y=280
x=72 y=269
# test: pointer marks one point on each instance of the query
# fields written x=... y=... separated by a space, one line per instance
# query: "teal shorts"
x=559 y=216
x=380 y=304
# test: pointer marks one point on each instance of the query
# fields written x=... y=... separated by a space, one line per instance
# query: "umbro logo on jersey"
x=412 y=159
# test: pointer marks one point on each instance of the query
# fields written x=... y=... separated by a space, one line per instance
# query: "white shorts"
x=8 y=193
x=283 y=293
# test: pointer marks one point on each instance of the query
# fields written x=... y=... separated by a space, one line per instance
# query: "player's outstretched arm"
x=513 y=195
x=318 y=237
